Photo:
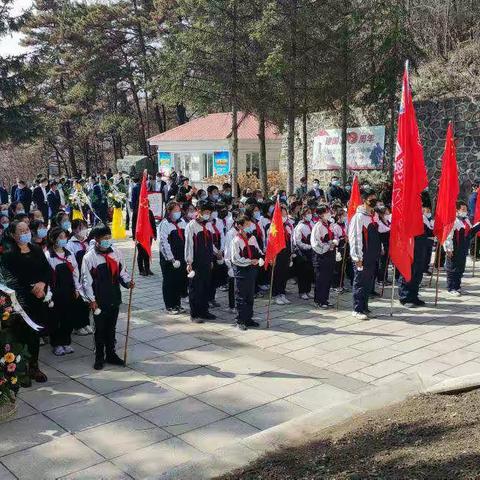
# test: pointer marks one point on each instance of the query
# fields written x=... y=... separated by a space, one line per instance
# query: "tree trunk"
x=71 y=151
x=391 y=133
x=344 y=138
x=235 y=151
x=181 y=114
x=304 y=144
x=141 y=132
x=263 y=155
x=290 y=149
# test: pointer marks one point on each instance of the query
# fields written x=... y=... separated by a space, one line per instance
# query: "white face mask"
x=389 y=217
x=308 y=217
x=462 y=215
x=326 y=217
x=316 y=185
x=284 y=219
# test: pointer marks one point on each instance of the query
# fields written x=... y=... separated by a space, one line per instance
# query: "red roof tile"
x=216 y=126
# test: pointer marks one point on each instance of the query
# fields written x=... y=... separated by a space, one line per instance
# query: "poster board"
x=165 y=162
x=365 y=148
x=221 y=163
x=155 y=199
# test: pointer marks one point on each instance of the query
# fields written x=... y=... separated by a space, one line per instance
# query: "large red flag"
x=446 y=211
x=143 y=231
x=355 y=199
x=409 y=179
x=276 y=236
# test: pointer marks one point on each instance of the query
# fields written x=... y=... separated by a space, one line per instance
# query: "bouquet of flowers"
x=78 y=199
x=116 y=198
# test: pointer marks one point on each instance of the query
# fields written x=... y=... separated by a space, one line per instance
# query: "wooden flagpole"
x=474 y=255
x=438 y=274
x=393 y=292
x=127 y=333
x=342 y=273
x=438 y=254
x=270 y=295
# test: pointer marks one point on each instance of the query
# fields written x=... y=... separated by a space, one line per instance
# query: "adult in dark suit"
x=54 y=200
x=39 y=196
x=3 y=195
x=23 y=195
x=99 y=202
x=134 y=203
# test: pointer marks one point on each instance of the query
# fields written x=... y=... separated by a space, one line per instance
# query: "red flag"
x=276 y=236
x=476 y=215
x=355 y=199
x=143 y=230
x=409 y=179
x=446 y=210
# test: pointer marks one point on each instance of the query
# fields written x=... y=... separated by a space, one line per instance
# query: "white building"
x=202 y=147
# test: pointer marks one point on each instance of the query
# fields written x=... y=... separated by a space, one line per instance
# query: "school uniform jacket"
x=228 y=245
x=244 y=249
x=172 y=239
x=428 y=224
x=259 y=234
x=301 y=237
x=363 y=237
x=79 y=249
x=101 y=281
x=199 y=247
x=321 y=238
x=65 y=279
x=217 y=227
x=458 y=240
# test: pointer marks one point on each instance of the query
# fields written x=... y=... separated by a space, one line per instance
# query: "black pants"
x=199 y=290
x=27 y=336
x=81 y=314
x=143 y=260
x=218 y=278
x=363 y=281
x=428 y=256
x=323 y=266
x=245 y=292
x=231 y=292
x=281 y=273
x=105 y=324
x=304 y=273
x=408 y=291
x=173 y=285
x=455 y=268
x=62 y=319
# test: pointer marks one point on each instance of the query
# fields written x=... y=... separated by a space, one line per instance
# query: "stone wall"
x=433 y=117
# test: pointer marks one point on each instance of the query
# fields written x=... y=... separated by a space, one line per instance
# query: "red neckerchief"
x=112 y=265
x=206 y=233
x=329 y=231
x=305 y=237
x=217 y=231
x=179 y=231
x=258 y=229
x=344 y=230
x=365 y=229
x=64 y=260
x=466 y=228
x=245 y=239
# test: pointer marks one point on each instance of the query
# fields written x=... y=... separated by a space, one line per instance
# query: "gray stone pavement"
x=191 y=389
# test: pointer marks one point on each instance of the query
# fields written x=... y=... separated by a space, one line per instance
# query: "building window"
x=207 y=160
x=253 y=163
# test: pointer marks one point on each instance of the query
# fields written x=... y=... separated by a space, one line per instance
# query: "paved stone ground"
x=191 y=389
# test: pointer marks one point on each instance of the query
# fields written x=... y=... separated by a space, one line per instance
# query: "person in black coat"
x=39 y=197
x=99 y=202
x=23 y=195
x=134 y=203
x=3 y=195
x=53 y=199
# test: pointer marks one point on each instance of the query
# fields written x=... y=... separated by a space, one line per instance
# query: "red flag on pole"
x=355 y=199
x=143 y=231
x=446 y=210
x=409 y=179
x=276 y=236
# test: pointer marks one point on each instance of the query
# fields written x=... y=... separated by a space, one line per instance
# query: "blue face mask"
x=20 y=212
x=249 y=229
x=215 y=197
x=4 y=213
x=106 y=244
x=42 y=232
x=5 y=226
x=257 y=215
x=283 y=198
x=62 y=242
x=25 y=238
x=271 y=208
x=176 y=215
x=66 y=225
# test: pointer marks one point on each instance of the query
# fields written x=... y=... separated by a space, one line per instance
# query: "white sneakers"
x=282 y=300
x=359 y=316
x=60 y=351
x=455 y=293
x=84 y=331
x=304 y=296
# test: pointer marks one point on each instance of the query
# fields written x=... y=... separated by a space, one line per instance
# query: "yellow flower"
x=6 y=315
x=9 y=357
x=13 y=380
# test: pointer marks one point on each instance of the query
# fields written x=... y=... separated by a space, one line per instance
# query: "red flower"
x=7 y=347
x=11 y=367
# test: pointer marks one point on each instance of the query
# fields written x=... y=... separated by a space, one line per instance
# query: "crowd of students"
x=65 y=273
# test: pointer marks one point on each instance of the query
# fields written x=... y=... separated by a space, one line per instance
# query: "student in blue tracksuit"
x=245 y=255
x=365 y=248
x=456 y=247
